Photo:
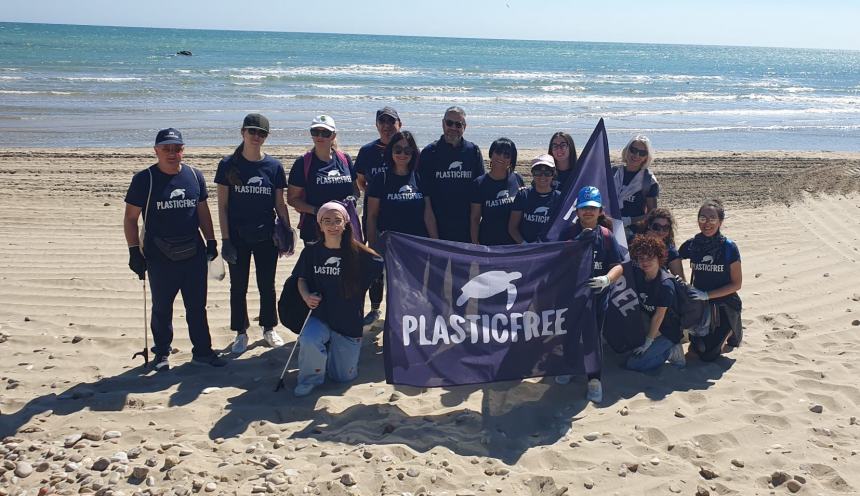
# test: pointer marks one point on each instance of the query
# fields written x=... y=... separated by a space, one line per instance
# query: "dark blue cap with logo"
x=169 y=136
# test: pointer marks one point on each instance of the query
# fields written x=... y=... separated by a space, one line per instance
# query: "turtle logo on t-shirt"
x=335 y=261
x=178 y=193
x=405 y=189
x=456 y=166
x=255 y=180
x=330 y=267
x=540 y=215
x=708 y=259
x=541 y=211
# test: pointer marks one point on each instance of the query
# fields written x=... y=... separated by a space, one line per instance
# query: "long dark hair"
x=662 y=213
x=388 y=155
x=233 y=170
x=572 y=158
x=350 y=279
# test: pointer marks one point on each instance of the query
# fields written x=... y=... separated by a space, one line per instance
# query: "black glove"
x=211 y=249
x=228 y=251
x=136 y=261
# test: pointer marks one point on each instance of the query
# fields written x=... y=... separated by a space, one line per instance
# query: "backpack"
x=292 y=310
x=693 y=314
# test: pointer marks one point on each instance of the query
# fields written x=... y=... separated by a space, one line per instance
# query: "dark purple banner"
x=458 y=313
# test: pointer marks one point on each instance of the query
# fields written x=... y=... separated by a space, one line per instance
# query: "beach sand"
x=783 y=406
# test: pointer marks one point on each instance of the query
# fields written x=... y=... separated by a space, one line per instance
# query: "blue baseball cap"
x=589 y=196
x=169 y=136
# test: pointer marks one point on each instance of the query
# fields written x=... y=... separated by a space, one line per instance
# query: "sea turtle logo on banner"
x=177 y=193
x=490 y=284
x=255 y=180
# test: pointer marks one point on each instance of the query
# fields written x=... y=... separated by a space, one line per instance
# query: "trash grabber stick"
x=289 y=358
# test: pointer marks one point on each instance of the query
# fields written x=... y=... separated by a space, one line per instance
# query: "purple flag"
x=594 y=170
x=498 y=313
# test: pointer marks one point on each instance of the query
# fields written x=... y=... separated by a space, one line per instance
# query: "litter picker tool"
x=145 y=352
x=289 y=358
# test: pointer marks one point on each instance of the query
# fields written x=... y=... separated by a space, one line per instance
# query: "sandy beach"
x=78 y=415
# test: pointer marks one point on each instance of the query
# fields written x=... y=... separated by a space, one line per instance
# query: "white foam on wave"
x=334 y=71
x=101 y=79
x=337 y=86
x=11 y=78
x=31 y=92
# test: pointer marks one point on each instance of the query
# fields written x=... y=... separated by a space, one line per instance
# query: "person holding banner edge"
x=250 y=188
x=607 y=257
x=333 y=274
x=493 y=195
x=635 y=185
x=716 y=277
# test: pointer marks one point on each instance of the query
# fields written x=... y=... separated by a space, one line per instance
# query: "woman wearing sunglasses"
x=535 y=205
x=636 y=186
x=563 y=152
x=250 y=191
x=493 y=195
x=716 y=277
x=321 y=175
x=395 y=197
x=661 y=223
x=333 y=277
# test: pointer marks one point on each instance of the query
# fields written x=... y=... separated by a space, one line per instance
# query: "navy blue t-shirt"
x=634 y=205
x=672 y=254
x=401 y=202
x=711 y=271
x=496 y=198
x=560 y=181
x=537 y=208
x=369 y=162
x=660 y=292
x=321 y=269
x=326 y=181
x=448 y=174
x=173 y=204
x=605 y=249
x=251 y=203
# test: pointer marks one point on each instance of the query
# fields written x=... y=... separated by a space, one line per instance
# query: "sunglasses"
x=386 y=119
x=172 y=148
x=660 y=227
x=637 y=151
x=456 y=124
x=402 y=150
x=703 y=219
x=257 y=132
x=542 y=173
x=318 y=131
x=560 y=146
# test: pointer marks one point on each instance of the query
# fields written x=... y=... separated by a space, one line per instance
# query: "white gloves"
x=599 y=283
x=627 y=221
x=642 y=349
x=698 y=294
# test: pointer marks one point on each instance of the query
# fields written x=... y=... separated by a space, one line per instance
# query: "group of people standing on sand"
x=442 y=191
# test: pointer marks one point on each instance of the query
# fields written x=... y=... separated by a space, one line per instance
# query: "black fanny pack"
x=177 y=248
x=255 y=234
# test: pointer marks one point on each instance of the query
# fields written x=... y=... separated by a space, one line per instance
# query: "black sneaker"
x=211 y=360
x=161 y=363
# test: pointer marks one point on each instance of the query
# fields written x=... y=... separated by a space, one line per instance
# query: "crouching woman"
x=658 y=300
x=333 y=274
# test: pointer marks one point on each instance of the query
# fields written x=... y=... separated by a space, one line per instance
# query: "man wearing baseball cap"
x=369 y=163
x=172 y=197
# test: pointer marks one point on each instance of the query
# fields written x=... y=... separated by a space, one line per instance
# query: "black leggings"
x=710 y=347
x=375 y=291
x=265 y=262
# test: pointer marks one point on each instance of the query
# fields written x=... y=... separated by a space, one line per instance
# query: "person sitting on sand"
x=329 y=176
x=592 y=221
x=535 y=205
x=563 y=151
x=333 y=274
x=658 y=300
x=172 y=197
x=250 y=191
x=661 y=223
x=635 y=185
x=493 y=195
x=716 y=277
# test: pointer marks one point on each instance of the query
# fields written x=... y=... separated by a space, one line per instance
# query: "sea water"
x=69 y=86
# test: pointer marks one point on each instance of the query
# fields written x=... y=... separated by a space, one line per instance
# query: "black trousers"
x=710 y=347
x=265 y=256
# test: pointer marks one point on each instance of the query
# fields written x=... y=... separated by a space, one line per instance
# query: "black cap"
x=256 y=121
x=169 y=136
x=389 y=111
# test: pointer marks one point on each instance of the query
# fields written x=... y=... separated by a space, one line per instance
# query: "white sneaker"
x=562 y=379
x=272 y=338
x=240 y=344
x=676 y=356
x=595 y=391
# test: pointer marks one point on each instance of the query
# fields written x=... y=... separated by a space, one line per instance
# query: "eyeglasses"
x=318 y=131
x=656 y=226
x=257 y=132
x=402 y=150
x=542 y=173
x=560 y=146
x=705 y=219
x=171 y=148
x=332 y=222
x=457 y=124
x=637 y=151
x=386 y=119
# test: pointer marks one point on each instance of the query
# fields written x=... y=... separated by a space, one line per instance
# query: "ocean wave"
x=781 y=127
x=11 y=78
x=337 y=86
x=352 y=70
x=101 y=79
x=31 y=92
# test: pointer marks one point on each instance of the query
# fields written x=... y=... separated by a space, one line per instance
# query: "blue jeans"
x=655 y=356
x=323 y=350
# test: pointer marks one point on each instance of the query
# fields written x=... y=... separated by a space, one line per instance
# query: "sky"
x=783 y=23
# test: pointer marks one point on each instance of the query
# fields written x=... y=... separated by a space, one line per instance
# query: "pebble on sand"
x=23 y=469
x=816 y=408
x=347 y=479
